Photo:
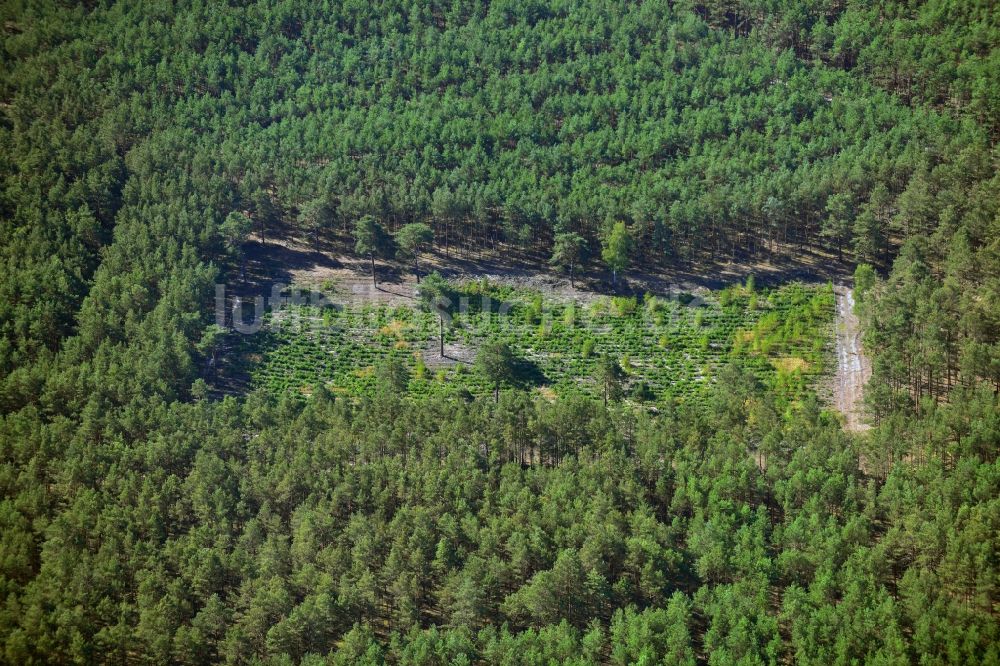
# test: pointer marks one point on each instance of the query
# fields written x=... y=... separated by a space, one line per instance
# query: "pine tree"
x=616 y=250
x=411 y=240
x=567 y=253
x=369 y=239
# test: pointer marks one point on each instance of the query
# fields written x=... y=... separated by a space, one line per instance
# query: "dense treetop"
x=146 y=141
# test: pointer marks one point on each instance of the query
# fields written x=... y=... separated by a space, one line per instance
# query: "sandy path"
x=853 y=367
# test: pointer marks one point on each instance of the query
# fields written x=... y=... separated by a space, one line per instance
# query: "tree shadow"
x=237 y=356
x=527 y=374
x=389 y=274
x=469 y=299
x=274 y=263
x=395 y=292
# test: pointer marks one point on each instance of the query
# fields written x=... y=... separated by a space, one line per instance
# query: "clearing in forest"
x=668 y=346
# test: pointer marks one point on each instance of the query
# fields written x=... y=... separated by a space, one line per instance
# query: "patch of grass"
x=790 y=364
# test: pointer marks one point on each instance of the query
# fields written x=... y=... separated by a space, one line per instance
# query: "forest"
x=669 y=485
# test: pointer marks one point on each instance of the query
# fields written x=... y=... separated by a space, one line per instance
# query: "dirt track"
x=853 y=367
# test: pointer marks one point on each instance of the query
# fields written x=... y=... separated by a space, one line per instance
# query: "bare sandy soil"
x=853 y=367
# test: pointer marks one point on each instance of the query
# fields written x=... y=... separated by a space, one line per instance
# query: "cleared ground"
x=853 y=367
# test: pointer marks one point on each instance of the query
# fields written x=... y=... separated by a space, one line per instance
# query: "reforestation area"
x=458 y=465
x=661 y=348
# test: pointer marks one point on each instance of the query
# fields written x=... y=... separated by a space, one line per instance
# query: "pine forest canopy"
x=151 y=146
